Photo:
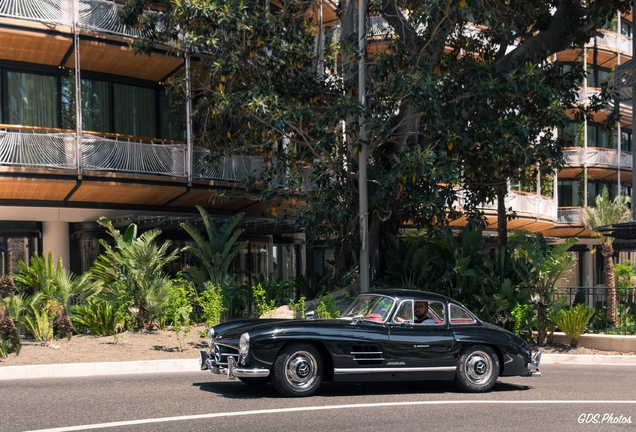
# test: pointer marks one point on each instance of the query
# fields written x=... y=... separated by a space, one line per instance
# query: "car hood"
x=232 y=330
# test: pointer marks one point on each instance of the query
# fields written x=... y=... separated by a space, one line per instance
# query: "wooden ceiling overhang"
x=23 y=186
x=31 y=42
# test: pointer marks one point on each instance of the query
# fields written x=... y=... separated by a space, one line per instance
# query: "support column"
x=55 y=238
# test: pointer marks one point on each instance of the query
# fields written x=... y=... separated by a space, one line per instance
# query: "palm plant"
x=607 y=212
x=215 y=253
x=133 y=271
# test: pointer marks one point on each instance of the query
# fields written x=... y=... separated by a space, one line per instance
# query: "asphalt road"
x=565 y=398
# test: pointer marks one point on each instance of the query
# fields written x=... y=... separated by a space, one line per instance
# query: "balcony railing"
x=58 y=150
x=598 y=156
x=613 y=41
x=94 y=15
x=525 y=204
x=570 y=215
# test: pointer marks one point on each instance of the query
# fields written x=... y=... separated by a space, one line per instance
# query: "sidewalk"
x=192 y=365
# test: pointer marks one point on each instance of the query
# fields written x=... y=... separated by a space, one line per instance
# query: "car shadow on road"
x=239 y=390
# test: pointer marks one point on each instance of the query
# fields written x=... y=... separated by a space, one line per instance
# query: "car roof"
x=403 y=293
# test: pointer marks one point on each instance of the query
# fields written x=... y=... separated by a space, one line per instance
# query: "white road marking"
x=328 y=407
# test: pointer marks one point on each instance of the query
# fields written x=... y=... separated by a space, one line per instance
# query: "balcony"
x=598 y=157
x=93 y=15
x=57 y=150
x=570 y=215
x=613 y=41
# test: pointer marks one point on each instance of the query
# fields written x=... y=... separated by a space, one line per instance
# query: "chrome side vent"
x=367 y=355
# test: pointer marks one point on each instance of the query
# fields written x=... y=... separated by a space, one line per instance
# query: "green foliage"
x=216 y=252
x=99 y=316
x=264 y=304
x=212 y=304
x=310 y=285
x=6 y=347
x=522 y=315
x=327 y=307
x=435 y=119
x=277 y=290
x=132 y=272
x=298 y=307
x=39 y=323
x=8 y=330
x=53 y=283
x=541 y=266
x=574 y=321
x=178 y=307
x=624 y=274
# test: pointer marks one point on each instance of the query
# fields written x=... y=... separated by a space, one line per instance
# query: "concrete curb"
x=192 y=365
x=94 y=369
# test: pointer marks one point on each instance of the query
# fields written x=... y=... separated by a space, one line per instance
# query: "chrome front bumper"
x=232 y=370
x=534 y=364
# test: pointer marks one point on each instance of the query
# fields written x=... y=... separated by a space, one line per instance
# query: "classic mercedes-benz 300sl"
x=386 y=335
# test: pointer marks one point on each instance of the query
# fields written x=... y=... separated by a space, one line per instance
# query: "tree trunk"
x=502 y=217
x=608 y=269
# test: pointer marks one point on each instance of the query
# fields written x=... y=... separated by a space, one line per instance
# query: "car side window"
x=460 y=316
x=420 y=312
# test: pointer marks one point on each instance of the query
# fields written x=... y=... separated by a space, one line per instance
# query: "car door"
x=428 y=345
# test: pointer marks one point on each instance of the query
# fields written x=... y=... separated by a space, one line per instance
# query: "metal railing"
x=95 y=15
x=597 y=156
x=37 y=149
x=596 y=298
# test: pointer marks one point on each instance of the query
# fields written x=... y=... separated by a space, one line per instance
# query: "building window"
x=595 y=188
x=572 y=134
x=95 y=105
x=626 y=27
x=569 y=192
x=598 y=137
x=596 y=76
x=47 y=99
x=626 y=140
x=135 y=110
x=32 y=99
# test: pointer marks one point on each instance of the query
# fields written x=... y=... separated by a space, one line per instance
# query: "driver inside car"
x=420 y=310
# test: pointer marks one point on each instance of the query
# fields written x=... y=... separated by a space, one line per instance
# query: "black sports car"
x=387 y=335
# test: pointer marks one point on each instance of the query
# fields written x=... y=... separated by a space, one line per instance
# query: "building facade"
x=87 y=130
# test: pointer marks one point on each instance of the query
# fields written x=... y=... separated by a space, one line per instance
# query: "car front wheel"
x=297 y=370
x=477 y=370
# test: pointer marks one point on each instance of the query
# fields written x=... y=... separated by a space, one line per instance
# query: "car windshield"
x=372 y=307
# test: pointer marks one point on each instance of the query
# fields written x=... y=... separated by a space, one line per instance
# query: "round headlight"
x=244 y=344
x=210 y=337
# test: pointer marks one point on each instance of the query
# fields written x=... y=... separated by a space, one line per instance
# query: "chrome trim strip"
x=345 y=371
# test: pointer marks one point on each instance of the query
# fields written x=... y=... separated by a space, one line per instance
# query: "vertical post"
x=362 y=155
x=320 y=45
x=78 y=90
x=189 y=158
x=631 y=73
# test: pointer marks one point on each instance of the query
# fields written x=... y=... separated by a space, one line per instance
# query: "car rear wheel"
x=297 y=370
x=478 y=369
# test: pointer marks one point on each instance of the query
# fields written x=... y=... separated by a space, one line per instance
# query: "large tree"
x=461 y=96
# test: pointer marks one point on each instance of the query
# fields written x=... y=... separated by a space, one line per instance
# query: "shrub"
x=40 y=324
x=100 y=317
x=211 y=302
x=8 y=330
x=573 y=321
x=7 y=286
